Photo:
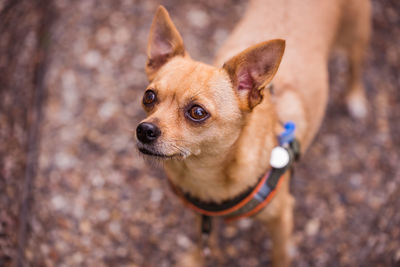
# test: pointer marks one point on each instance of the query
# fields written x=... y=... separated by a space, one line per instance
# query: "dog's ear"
x=251 y=70
x=164 y=42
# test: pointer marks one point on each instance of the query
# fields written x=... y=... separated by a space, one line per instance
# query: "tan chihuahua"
x=214 y=127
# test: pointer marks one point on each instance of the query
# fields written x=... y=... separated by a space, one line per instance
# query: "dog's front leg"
x=278 y=218
x=280 y=230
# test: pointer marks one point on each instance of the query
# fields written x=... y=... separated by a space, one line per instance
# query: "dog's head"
x=193 y=108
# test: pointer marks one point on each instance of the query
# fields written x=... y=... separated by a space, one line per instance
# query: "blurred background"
x=75 y=192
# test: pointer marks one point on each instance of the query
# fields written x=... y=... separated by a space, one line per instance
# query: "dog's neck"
x=224 y=174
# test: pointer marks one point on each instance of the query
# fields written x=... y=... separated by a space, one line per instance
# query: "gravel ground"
x=97 y=203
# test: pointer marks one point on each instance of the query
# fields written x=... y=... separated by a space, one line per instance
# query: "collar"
x=246 y=204
x=254 y=199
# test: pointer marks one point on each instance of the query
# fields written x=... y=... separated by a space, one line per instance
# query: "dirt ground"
x=95 y=202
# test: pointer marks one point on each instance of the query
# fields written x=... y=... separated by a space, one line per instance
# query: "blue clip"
x=288 y=135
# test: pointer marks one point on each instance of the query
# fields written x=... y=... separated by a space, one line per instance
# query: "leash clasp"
x=206 y=227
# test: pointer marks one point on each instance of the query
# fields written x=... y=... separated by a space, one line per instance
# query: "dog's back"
x=310 y=28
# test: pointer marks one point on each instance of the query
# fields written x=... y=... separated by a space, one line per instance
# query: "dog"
x=214 y=127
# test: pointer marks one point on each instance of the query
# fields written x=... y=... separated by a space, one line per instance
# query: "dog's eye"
x=197 y=113
x=149 y=97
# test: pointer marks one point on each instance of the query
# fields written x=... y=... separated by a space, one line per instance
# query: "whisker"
x=183 y=151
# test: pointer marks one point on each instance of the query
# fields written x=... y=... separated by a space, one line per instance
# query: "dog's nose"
x=147 y=132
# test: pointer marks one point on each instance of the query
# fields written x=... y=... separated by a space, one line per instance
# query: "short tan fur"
x=223 y=153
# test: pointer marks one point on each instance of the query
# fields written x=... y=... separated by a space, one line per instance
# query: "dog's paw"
x=357 y=104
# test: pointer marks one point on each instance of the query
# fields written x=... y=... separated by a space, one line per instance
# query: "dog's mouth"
x=150 y=152
x=154 y=154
